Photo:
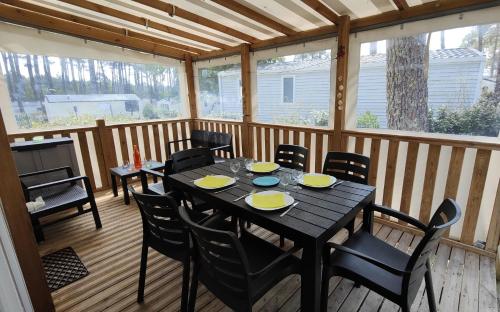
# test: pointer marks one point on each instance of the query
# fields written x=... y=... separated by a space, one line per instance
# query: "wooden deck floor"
x=463 y=281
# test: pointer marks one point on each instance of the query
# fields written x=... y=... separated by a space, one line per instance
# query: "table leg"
x=311 y=278
x=113 y=185
x=126 y=196
x=368 y=220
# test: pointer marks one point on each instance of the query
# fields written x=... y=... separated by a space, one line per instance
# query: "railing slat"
x=103 y=172
x=475 y=195
x=237 y=129
x=276 y=134
x=268 y=144
x=87 y=164
x=409 y=177
x=358 y=148
x=390 y=172
x=156 y=138
x=454 y=171
x=123 y=144
x=286 y=137
x=184 y=135
x=319 y=152
x=164 y=127
x=493 y=237
x=429 y=182
x=175 y=135
x=307 y=144
x=374 y=156
x=296 y=137
x=145 y=140
x=133 y=135
x=259 y=143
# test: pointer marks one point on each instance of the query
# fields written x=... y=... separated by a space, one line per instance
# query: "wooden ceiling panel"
x=339 y=7
x=385 y=5
x=361 y=8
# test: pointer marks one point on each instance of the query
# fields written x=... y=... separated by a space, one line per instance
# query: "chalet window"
x=55 y=92
x=301 y=81
x=219 y=92
x=288 y=89
x=444 y=82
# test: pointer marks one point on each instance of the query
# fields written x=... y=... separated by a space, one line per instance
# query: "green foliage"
x=368 y=120
x=150 y=112
x=317 y=118
x=482 y=118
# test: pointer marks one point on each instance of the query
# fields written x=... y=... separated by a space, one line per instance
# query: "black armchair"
x=384 y=269
x=58 y=194
x=215 y=141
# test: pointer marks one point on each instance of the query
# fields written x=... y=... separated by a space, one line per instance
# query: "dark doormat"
x=62 y=268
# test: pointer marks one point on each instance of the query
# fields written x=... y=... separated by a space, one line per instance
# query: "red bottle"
x=137 y=158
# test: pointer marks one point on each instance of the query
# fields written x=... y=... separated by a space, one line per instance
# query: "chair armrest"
x=180 y=140
x=69 y=180
x=276 y=261
x=67 y=168
x=155 y=173
x=399 y=215
x=216 y=148
x=369 y=259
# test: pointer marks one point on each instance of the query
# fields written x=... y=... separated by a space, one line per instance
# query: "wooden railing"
x=412 y=173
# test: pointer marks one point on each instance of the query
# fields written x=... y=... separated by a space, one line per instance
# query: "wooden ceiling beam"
x=89 y=22
x=324 y=10
x=177 y=11
x=256 y=16
x=401 y=4
x=144 y=22
x=34 y=19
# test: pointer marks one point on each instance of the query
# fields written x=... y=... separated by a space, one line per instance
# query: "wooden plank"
x=105 y=140
x=493 y=237
x=166 y=138
x=147 y=144
x=296 y=138
x=13 y=207
x=401 y=4
x=276 y=134
x=374 y=156
x=487 y=286
x=319 y=153
x=34 y=19
x=188 y=64
x=175 y=135
x=184 y=135
x=451 y=290
x=259 y=144
x=246 y=93
x=237 y=140
x=409 y=177
x=123 y=144
x=87 y=164
x=156 y=137
x=323 y=10
x=103 y=170
x=469 y=294
x=480 y=171
x=134 y=137
x=255 y=16
x=358 y=147
x=390 y=172
x=286 y=136
x=184 y=14
x=429 y=182
x=344 y=25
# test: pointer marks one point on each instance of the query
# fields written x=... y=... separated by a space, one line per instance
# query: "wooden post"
x=107 y=146
x=341 y=81
x=16 y=214
x=247 y=101
x=191 y=91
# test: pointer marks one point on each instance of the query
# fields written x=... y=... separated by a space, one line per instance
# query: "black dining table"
x=320 y=214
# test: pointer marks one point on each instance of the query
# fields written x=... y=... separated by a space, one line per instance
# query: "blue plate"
x=266 y=181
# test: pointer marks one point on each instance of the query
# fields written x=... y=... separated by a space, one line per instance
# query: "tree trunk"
x=407 y=91
x=497 y=82
x=38 y=82
x=8 y=73
x=93 y=77
x=29 y=66
x=17 y=80
x=47 y=73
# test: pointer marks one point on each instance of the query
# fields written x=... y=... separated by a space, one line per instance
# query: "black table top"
x=35 y=145
x=318 y=216
x=131 y=171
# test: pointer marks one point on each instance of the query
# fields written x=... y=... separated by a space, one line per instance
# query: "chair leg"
x=325 y=281
x=249 y=224
x=37 y=229
x=350 y=227
x=282 y=241
x=193 y=290
x=185 y=285
x=95 y=213
x=142 y=273
x=80 y=209
x=429 y=289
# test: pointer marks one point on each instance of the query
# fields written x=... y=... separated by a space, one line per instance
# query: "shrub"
x=368 y=120
x=150 y=112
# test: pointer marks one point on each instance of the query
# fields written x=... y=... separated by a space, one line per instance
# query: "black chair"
x=238 y=271
x=60 y=190
x=166 y=233
x=292 y=156
x=158 y=188
x=215 y=141
x=384 y=269
x=347 y=166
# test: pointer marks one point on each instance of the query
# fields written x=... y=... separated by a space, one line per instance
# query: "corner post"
x=247 y=101
x=107 y=145
x=341 y=82
x=191 y=90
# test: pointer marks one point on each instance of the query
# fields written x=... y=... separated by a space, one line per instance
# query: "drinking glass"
x=126 y=164
x=297 y=176
x=248 y=163
x=235 y=165
x=285 y=179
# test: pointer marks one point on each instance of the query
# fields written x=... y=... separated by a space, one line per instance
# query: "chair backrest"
x=218 y=139
x=162 y=227
x=347 y=166
x=191 y=159
x=200 y=138
x=221 y=260
x=292 y=156
x=447 y=214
